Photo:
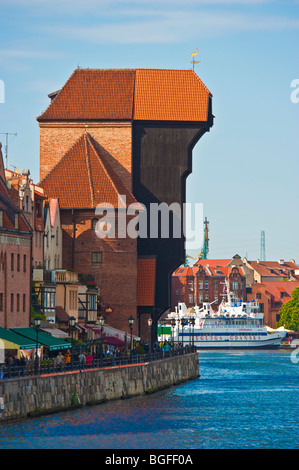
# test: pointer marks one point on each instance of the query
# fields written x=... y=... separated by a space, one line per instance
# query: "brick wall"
x=115 y=275
x=116 y=139
x=15 y=283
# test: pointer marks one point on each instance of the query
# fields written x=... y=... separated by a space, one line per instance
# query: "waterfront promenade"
x=51 y=390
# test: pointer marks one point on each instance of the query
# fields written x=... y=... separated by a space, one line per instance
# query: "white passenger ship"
x=236 y=324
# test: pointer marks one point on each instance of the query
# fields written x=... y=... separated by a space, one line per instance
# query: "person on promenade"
x=82 y=360
x=67 y=359
x=89 y=360
x=59 y=360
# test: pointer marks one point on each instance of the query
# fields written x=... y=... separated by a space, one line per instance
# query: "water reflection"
x=240 y=401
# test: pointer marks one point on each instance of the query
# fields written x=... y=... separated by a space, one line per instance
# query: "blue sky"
x=245 y=170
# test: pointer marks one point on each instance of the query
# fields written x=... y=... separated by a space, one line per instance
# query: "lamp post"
x=178 y=321
x=182 y=323
x=101 y=322
x=150 y=322
x=131 y=323
x=72 y=322
x=192 y=323
x=37 y=326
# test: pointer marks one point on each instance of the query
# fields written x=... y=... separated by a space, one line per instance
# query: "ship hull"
x=272 y=341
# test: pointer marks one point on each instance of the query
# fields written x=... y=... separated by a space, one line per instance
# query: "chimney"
x=281 y=261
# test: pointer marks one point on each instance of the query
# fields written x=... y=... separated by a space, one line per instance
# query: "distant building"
x=260 y=271
x=53 y=235
x=271 y=295
x=15 y=257
x=30 y=198
x=204 y=282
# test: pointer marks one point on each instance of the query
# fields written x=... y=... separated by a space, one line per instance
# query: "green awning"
x=44 y=339
x=18 y=340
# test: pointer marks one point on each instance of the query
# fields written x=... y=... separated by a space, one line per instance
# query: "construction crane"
x=186 y=261
x=205 y=249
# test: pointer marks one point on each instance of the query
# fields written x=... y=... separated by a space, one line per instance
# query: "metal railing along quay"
x=50 y=366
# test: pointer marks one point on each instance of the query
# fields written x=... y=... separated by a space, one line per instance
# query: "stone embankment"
x=23 y=397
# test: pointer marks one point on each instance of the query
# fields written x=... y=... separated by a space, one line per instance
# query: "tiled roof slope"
x=170 y=95
x=130 y=94
x=92 y=94
x=273 y=268
x=83 y=178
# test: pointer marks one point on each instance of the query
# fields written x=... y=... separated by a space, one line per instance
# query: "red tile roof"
x=130 y=94
x=212 y=267
x=146 y=281
x=83 y=178
x=275 y=288
x=273 y=268
x=170 y=95
x=92 y=94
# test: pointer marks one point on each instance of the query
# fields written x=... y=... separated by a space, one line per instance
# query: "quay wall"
x=23 y=397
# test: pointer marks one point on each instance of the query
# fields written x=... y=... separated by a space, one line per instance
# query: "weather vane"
x=194 y=61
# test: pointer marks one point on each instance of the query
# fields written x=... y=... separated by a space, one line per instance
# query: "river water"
x=242 y=400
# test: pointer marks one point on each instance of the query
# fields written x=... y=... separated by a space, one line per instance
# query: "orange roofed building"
x=15 y=260
x=113 y=133
x=271 y=295
x=204 y=282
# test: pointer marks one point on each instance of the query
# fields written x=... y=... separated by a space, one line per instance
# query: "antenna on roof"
x=194 y=61
x=6 y=145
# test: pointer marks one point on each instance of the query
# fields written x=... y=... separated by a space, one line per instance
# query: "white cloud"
x=170 y=26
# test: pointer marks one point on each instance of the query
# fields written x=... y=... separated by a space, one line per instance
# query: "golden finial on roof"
x=194 y=61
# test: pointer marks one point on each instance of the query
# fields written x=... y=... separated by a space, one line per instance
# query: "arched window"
x=94 y=224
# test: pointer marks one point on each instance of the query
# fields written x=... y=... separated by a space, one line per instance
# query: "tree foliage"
x=289 y=312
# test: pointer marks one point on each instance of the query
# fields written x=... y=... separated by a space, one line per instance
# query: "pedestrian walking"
x=59 y=360
x=89 y=360
x=82 y=360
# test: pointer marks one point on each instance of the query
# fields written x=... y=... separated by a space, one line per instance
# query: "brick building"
x=30 y=198
x=15 y=256
x=260 y=271
x=204 y=282
x=271 y=295
x=113 y=133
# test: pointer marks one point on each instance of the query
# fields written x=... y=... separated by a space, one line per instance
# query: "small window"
x=1 y=302
x=94 y=224
x=24 y=302
x=97 y=257
x=24 y=263
x=18 y=262
x=12 y=262
x=1 y=218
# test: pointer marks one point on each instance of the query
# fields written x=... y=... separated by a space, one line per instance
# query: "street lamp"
x=131 y=323
x=150 y=322
x=72 y=322
x=192 y=323
x=37 y=326
x=178 y=325
x=101 y=322
x=182 y=323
